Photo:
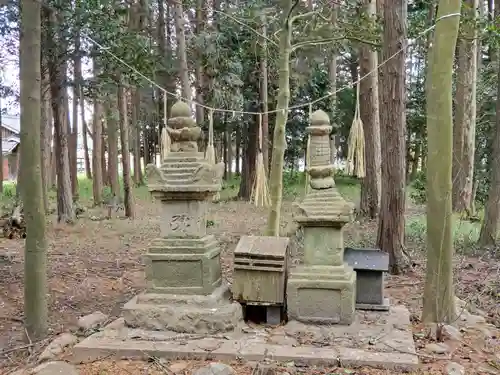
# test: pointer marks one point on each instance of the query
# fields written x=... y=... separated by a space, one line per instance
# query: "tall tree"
x=112 y=117
x=57 y=70
x=97 y=164
x=464 y=131
x=35 y=261
x=182 y=50
x=45 y=133
x=439 y=304
x=369 y=111
x=489 y=228
x=127 y=179
x=279 y=140
x=392 y=125
x=264 y=94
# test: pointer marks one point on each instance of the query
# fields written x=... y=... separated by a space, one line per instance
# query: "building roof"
x=12 y=123
x=9 y=144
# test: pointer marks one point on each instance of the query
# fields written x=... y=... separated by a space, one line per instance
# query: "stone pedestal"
x=184 y=284
x=323 y=288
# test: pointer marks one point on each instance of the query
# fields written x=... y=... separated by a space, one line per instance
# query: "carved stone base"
x=184 y=313
x=322 y=294
x=183 y=266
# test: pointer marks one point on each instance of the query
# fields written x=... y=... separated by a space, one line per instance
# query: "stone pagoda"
x=322 y=289
x=184 y=291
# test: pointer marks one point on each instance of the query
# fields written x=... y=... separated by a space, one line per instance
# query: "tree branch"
x=316 y=42
x=308 y=43
x=304 y=15
x=247 y=26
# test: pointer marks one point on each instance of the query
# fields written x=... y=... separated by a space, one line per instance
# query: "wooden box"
x=370 y=266
x=260 y=269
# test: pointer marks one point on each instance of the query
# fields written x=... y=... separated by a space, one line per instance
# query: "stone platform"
x=375 y=339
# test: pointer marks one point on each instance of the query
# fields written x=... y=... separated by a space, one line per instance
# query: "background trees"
x=105 y=63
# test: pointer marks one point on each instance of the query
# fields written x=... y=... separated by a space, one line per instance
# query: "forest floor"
x=97 y=266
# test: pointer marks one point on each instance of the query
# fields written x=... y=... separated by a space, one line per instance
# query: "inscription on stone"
x=180 y=222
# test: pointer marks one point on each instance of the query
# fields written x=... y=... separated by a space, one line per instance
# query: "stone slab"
x=184 y=313
x=375 y=307
x=375 y=339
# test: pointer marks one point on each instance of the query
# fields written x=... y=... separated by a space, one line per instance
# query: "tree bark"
x=97 y=182
x=182 y=50
x=279 y=140
x=77 y=63
x=35 y=253
x=489 y=227
x=263 y=96
x=392 y=129
x=136 y=109
x=45 y=136
x=112 y=117
x=464 y=130
x=57 y=69
x=127 y=179
x=369 y=111
x=439 y=302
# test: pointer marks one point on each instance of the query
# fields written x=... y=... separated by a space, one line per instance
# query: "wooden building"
x=10 y=128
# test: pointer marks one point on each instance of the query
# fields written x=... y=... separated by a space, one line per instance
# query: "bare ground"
x=96 y=265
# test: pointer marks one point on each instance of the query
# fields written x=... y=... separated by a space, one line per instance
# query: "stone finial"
x=320 y=168
x=182 y=128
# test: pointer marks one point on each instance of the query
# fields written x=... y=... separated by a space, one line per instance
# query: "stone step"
x=186 y=170
x=179 y=176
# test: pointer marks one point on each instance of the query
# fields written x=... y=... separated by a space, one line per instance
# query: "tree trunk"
x=112 y=132
x=392 y=129
x=263 y=96
x=464 y=131
x=104 y=129
x=439 y=303
x=127 y=180
x=332 y=77
x=237 y=149
x=97 y=182
x=85 y=134
x=369 y=111
x=57 y=69
x=77 y=63
x=35 y=253
x=279 y=140
x=45 y=136
x=200 y=77
x=136 y=109
x=489 y=227
x=182 y=50
x=248 y=160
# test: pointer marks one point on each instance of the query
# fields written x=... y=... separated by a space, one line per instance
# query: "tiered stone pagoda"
x=322 y=289
x=184 y=292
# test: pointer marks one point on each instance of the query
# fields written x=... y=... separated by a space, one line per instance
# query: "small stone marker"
x=260 y=265
x=370 y=265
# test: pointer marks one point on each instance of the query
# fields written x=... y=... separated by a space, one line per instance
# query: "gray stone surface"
x=453 y=368
x=437 y=347
x=57 y=346
x=55 y=368
x=377 y=339
x=92 y=321
x=184 y=314
x=215 y=369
